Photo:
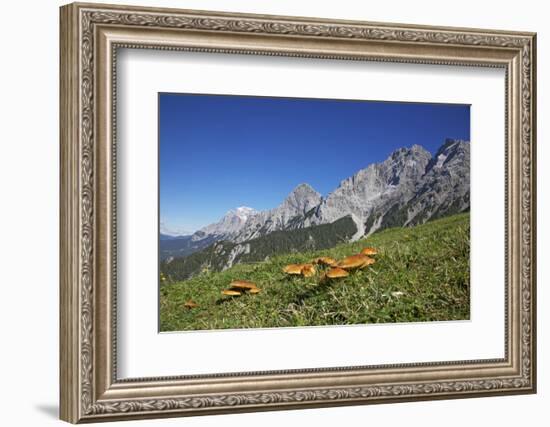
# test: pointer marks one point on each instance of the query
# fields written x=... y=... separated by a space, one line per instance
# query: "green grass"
x=428 y=264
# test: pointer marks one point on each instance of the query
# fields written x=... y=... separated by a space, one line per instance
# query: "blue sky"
x=220 y=152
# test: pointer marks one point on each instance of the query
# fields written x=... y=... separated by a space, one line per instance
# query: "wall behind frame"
x=29 y=175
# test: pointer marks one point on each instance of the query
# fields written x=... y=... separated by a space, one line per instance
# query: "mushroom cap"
x=369 y=251
x=230 y=293
x=336 y=272
x=368 y=261
x=353 y=261
x=308 y=270
x=293 y=269
x=254 y=291
x=242 y=284
x=325 y=260
x=190 y=304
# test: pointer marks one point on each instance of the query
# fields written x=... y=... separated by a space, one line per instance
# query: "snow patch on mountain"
x=233 y=221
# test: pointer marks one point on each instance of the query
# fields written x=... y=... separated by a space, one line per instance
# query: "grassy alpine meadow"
x=420 y=274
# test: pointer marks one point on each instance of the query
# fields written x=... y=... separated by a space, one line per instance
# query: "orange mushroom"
x=369 y=251
x=242 y=285
x=336 y=273
x=325 y=260
x=293 y=269
x=254 y=291
x=368 y=262
x=230 y=293
x=353 y=262
x=308 y=270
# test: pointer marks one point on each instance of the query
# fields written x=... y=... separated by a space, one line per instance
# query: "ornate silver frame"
x=90 y=36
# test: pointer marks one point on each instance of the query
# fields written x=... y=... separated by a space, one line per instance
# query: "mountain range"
x=410 y=187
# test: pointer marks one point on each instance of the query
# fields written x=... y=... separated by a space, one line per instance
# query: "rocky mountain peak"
x=242 y=212
x=415 y=151
x=301 y=199
x=416 y=148
x=303 y=188
x=452 y=150
x=451 y=144
x=233 y=221
x=405 y=165
x=378 y=184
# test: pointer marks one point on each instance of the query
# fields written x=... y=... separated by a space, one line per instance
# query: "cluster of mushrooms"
x=239 y=287
x=337 y=269
x=236 y=289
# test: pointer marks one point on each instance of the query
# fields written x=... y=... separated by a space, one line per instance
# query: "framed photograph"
x=266 y=212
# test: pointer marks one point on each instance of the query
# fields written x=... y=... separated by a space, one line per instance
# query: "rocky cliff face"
x=445 y=187
x=230 y=224
x=301 y=200
x=408 y=188
x=376 y=187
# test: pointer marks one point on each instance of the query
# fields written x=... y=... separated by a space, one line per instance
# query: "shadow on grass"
x=225 y=300
x=321 y=287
